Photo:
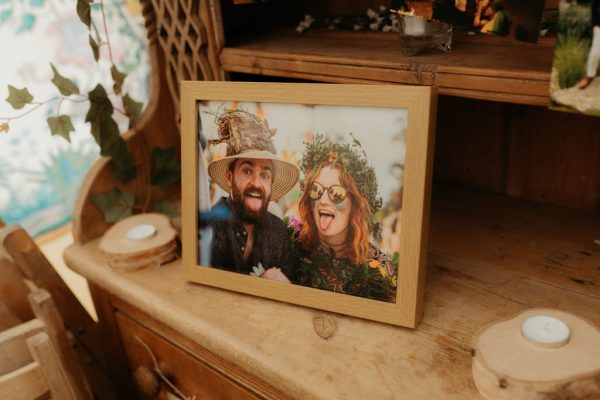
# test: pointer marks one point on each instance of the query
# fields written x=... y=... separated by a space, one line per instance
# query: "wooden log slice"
x=139 y=241
x=508 y=366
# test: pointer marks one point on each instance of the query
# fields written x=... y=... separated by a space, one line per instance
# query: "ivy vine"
x=165 y=168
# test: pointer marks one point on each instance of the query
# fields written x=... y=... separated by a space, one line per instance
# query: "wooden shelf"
x=490 y=257
x=555 y=246
x=480 y=67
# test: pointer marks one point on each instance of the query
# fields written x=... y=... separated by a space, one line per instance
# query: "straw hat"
x=249 y=137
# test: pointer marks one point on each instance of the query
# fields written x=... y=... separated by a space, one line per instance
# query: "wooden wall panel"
x=554 y=158
x=523 y=151
x=470 y=142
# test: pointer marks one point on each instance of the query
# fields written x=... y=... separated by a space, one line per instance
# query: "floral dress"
x=376 y=278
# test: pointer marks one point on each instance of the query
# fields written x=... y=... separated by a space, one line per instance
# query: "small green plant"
x=570 y=60
x=574 y=22
x=165 y=169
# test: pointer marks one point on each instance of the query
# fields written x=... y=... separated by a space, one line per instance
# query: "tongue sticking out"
x=325 y=221
x=253 y=203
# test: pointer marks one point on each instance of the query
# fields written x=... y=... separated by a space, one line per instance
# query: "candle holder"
x=539 y=354
x=418 y=34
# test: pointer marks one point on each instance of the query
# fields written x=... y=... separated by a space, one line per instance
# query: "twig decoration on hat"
x=249 y=137
x=242 y=130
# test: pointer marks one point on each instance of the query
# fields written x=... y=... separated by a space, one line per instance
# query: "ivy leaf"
x=106 y=134
x=17 y=98
x=166 y=170
x=118 y=78
x=124 y=168
x=115 y=205
x=95 y=48
x=100 y=106
x=166 y=207
x=83 y=10
x=132 y=107
x=61 y=125
x=64 y=85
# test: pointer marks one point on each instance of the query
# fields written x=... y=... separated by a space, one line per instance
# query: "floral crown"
x=353 y=160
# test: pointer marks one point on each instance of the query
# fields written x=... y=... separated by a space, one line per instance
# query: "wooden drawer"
x=193 y=376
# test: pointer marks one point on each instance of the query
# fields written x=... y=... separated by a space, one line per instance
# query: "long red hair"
x=359 y=218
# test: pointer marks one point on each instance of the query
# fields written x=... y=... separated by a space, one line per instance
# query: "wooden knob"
x=147 y=381
x=324 y=325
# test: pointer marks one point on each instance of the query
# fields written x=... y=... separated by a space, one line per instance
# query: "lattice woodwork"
x=189 y=34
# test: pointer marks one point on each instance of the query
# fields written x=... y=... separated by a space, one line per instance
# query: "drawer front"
x=191 y=376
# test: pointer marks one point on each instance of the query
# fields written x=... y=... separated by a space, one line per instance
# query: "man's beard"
x=246 y=215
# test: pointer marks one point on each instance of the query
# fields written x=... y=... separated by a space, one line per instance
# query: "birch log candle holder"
x=139 y=241
x=539 y=354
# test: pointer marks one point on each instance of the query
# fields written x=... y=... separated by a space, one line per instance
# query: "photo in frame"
x=311 y=194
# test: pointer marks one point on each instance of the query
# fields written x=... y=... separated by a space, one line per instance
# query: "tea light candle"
x=545 y=331
x=141 y=232
x=414 y=26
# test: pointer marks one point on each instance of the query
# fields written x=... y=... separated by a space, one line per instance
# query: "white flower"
x=357 y=27
x=258 y=270
x=371 y=14
x=382 y=8
x=374 y=26
x=387 y=28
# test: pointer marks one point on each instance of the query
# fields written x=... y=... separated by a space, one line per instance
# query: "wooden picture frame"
x=336 y=106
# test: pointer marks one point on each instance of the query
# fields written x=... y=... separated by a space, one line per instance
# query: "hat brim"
x=285 y=174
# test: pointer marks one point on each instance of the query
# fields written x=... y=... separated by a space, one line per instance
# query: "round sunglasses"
x=336 y=193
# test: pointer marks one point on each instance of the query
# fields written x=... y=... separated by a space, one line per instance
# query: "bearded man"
x=253 y=176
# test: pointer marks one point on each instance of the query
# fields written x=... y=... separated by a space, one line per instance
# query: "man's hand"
x=275 y=274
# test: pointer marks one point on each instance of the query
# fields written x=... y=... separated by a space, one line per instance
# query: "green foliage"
x=570 y=59
x=166 y=207
x=115 y=205
x=84 y=13
x=132 y=107
x=17 y=98
x=166 y=169
x=124 y=167
x=118 y=78
x=100 y=106
x=61 y=125
x=368 y=279
x=64 y=85
x=106 y=133
x=95 y=48
x=574 y=22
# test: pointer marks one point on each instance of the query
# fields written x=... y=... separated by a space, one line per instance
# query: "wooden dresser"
x=514 y=219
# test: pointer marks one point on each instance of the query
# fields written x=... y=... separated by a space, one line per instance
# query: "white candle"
x=141 y=232
x=545 y=331
x=414 y=26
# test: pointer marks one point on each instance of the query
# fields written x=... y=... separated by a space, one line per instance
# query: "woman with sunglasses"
x=333 y=248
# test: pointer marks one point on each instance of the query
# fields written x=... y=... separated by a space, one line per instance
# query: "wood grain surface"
x=482 y=267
